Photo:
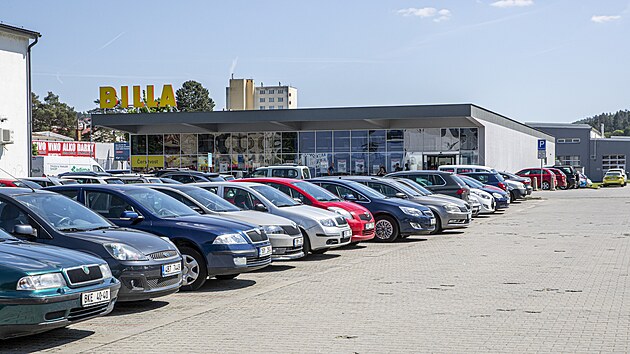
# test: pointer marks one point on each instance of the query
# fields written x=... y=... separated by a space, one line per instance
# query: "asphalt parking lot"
x=551 y=274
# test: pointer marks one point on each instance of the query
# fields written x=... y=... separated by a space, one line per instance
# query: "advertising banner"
x=121 y=151
x=143 y=161
x=64 y=148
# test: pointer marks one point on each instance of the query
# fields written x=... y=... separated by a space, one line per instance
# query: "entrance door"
x=432 y=162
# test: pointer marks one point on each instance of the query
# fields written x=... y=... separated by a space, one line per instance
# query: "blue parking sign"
x=542 y=144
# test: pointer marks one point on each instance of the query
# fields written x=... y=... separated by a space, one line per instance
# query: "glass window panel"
x=468 y=138
x=324 y=141
x=189 y=161
x=376 y=161
x=202 y=163
x=189 y=144
x=414 y=140
x=395 y=146
x=221 y=143
x=342 y=164
x=155 y=144
x=289 y=158
x=205 y=143
x=138 y=144
x=377 y=141
x=222 y=163
x=395 y=135
x=307 y=142
x=239 y=143
x=359 y=164
x=395 y=162
x=469 y=158
x=171 y=144
x=289 y=143
x=255 y=143
x=273 y=143
x=450 y=139
x=172 y=161
x=341 y=141
x=359 y=141
x=431 y=139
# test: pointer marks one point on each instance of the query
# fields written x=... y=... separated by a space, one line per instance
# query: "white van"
x=284 y=171
x=466 y=168
x=54 y=165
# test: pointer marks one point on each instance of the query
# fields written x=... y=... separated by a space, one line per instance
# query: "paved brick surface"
x=548 y=275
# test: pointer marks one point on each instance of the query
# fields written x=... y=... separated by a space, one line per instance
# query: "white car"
x=284 y=171
x=91 y=178
x=485 y=199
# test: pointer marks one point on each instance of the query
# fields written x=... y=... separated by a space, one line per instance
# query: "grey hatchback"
x=437 y=182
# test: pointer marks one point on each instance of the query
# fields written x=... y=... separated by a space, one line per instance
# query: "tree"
x=53 y=115
x=193 y=97
x=102 y=134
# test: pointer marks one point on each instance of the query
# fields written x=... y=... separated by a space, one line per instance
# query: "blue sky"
x=532 y=60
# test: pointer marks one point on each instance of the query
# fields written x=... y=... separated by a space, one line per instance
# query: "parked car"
x=19 y=183
x=359 y=218
x=191 y=176
x=147 y=266
x=526 y=181
x=283 y=171
x=500 y=198
x=91 y=177
x=543 y=181
x=621 y=171
x=571 y=175
x=472 y=205
x=489 y=178
x=284 y=235
x=561 y=178
x=321 y=229
x=485 y=200
x=133 y=178
x=613 y=178
x=585 y=182
x=394 y=217
x=459 y=169
x=437 y=182
x=49 y=181
x=210 y=247
x=168 y=181
x=45 y=287
x=449 y=214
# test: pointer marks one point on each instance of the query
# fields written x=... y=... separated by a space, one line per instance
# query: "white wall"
x=511 y=150
x=13 y=103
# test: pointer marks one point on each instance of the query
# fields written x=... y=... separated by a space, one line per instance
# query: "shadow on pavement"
x=274 y=268
x=410 y=239
x=318 y=257
x=43 y=341
x=127 y=308
x=356 y=246
x=452 y=232
x=215 y=285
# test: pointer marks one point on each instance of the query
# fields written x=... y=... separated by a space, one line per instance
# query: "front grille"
x=257 y=235
x=256 y=261
x=368 y=232
x=78 y=275
x=365 y=216
x=156 y=256
x=341 y=221
x=163 y=282
x=286 y=250
x=290 y=230
x=81 y=313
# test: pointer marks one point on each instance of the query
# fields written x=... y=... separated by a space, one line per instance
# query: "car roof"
x=271 y=179
x=105 y=187
x=14 y=191
x=226 y=183
x=420 y=171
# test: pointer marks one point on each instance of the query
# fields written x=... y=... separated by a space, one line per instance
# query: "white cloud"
x=426 y=12
x=602 y=19
x=512 y=3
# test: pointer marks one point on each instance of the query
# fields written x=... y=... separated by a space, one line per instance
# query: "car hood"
x=404 y=203
x=436 y=202
x=310 y=212
x=257 y=218
x=448 y=198
x=212 y=223
x=142 y=241
x=32 y=258
x=349 y=206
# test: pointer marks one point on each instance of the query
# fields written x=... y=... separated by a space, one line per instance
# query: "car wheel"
x=438 y=225
x=563 y=187
x=386 y=229
x=306 y=245
x=226 y=276
x=512 y=197
x=545 y=185
x=320 y=251
x=194 y=273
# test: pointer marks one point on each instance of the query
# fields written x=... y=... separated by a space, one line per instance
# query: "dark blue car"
x=501 y=197
x=146 y=265
x=210 y=246
x=394 y=217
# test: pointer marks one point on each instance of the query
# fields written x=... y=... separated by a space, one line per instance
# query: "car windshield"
x=160 y=204
x=114 y=181
x=471 y=182
x=210 y=200
x=365 y=190
x=66 y=215
x=276 y=197
x=407 y=190
x=415 y=185
x=4 y=236
x=317 y=192
x=26 y=184
x=459 y=181
x=613 y=174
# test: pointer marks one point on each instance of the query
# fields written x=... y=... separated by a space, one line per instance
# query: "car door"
x=241 y=198
x=182 y=199
x=13 y=214
x=439 y=185
x=111 y=207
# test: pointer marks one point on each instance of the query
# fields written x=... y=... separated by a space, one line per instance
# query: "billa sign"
x=64 y=148
x=109 y=97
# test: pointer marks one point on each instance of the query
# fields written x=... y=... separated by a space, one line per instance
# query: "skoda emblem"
x=86 y=270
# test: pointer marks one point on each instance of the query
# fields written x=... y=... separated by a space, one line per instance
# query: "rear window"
x=459 y=181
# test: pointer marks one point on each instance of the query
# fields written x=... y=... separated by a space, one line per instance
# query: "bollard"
x=535 y=183
x=552 y=186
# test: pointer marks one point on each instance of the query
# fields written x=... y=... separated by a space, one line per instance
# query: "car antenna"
x=17 y=179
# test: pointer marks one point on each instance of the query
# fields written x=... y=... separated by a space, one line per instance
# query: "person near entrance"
x=381 y=171
x=397 y=167
x=331 y=169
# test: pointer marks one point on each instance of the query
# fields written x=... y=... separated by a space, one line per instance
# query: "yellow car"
x=614 y=178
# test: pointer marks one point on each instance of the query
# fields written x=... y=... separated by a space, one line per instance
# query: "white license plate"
x=95 y=297
x=170 y=269
x=264 y=251
x=298 y=242
x=369 y=226
x=347 y=233
x=432 y=221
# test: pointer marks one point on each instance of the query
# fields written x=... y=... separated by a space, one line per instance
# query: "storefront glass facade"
x=348 y=151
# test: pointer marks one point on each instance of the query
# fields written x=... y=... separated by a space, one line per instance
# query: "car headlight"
x=411 y=211
x=230 y=239
x=107 y=273
x=273 y=229
x=451 y=208
x=341 y=211
x=497 y=195
x=328 y=222
x=428 y=213
x=41 y=282
x=481 y=195
x=123 y=252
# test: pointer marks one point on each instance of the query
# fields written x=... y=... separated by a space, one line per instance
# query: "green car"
x=45 y=287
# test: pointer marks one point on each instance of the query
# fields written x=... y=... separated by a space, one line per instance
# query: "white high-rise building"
x=275 y=97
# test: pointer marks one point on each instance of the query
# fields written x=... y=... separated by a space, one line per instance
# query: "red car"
x=19 y=183
x=544 y=180
x=561 y=178
x=359 y=218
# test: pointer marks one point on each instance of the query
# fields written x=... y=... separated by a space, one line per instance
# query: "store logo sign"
x=109 y=97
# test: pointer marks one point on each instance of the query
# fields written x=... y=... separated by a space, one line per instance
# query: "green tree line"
x=617 y=123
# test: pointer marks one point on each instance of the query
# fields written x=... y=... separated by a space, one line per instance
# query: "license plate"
x=432 y=221
x=95 y=297
x=369 y=226
x=347 y=233
x=170 y=269
x=298 y=242
x=264 y=251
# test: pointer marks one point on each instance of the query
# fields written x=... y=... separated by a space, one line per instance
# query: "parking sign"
x=542 y=144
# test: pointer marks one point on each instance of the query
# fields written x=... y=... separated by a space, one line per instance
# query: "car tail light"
x=502 y=186
x=461 y=191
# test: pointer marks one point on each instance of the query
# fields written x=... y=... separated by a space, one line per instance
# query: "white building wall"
x=510 y=150
x=275 y=97
x=13 y=104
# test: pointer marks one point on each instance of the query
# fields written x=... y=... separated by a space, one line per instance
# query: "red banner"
x=64 y=148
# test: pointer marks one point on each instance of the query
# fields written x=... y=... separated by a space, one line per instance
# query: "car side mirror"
x=401 y=195
x=131 y=216
x=349 y=197
x=261 y=207
x=298 y=200
x=24 y=230
x=197 y=209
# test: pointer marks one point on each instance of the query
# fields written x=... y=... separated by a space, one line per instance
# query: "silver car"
x=284 y=235
x=322 y=229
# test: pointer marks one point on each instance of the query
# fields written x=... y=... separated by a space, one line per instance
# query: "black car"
x=146 y=265
x=573 y=179
x=437 y=182
x=192 y=176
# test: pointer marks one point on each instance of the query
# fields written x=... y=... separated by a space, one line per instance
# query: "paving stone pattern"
x=549 y=275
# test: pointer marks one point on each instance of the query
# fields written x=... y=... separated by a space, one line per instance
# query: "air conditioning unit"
x=6 y=136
